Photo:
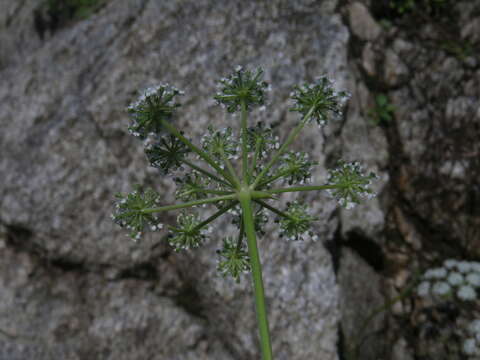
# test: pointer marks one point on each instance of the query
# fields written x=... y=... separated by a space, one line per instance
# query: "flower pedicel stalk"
x=246 y=195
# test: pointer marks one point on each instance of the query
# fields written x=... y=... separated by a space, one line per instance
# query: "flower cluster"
x=188 y=234
x=190 y=187
x=131 y=211
x=167 y=154
x=459 y=278
x=318 y=100
x=296 y=167
x=233 y=259
x=155 y=104
x=350 y=184
x=471 y=345
x=208 y=174
x=220 y=143
x=297 y=222
x=261 y=141
x=242 y=87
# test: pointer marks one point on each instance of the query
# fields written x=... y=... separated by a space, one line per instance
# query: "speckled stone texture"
x=72 y=285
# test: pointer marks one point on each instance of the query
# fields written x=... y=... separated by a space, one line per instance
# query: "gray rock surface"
x=73 y=286
x=362 y=23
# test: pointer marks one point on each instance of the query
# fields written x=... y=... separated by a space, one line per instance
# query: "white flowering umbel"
x=458 y=279
x=471 y=345
x=240 y=170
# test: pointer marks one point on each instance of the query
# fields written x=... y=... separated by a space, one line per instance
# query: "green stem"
x=240 y=235
x=290 y=139
x=246 y=178
x=265 y=344
x=220 y=212
x=215 y=192
x=302 y=188
x=261 y=195
x=188 y=204
x=230 y=169
x=196 y=150
x=272 y=209
x=204 y=191
x=255 y=156
x=206 y=173
x=279 y=175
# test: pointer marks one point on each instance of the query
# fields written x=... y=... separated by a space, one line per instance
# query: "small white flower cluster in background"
x=471 y=346
x=459 y=278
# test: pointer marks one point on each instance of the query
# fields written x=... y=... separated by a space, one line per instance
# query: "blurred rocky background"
x=73 y=286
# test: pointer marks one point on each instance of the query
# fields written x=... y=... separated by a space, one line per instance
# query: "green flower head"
x=167 y=154
x=352 y=184
x=243 y=86
x=188 y=234
x=318 y=100
x=220 y=143
x=190 y=187
x=130 y=211
x=297 y=223
x=260 y=140
x=233 y=260
x=298 y=166
x=154 y=105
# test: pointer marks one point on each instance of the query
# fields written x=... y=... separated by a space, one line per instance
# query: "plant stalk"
x=205 y=172
x=188 y=204
x=246 y=177
x=248 y=221
x=302 y=188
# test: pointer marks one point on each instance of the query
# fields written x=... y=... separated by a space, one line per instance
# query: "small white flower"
x=436 y=273
x=455 y=278
x=441 y=288
x=466 y=293
x=450 y=263
x=473 y=279
x=475 y=266
x=350 y=205
x=464 y=266
x=474 y=326
x=470 y=347
x=424 y=288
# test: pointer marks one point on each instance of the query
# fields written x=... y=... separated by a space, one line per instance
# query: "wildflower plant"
x=471 y=345
x=458 y=281
x=454 y=279
x=208 y=174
